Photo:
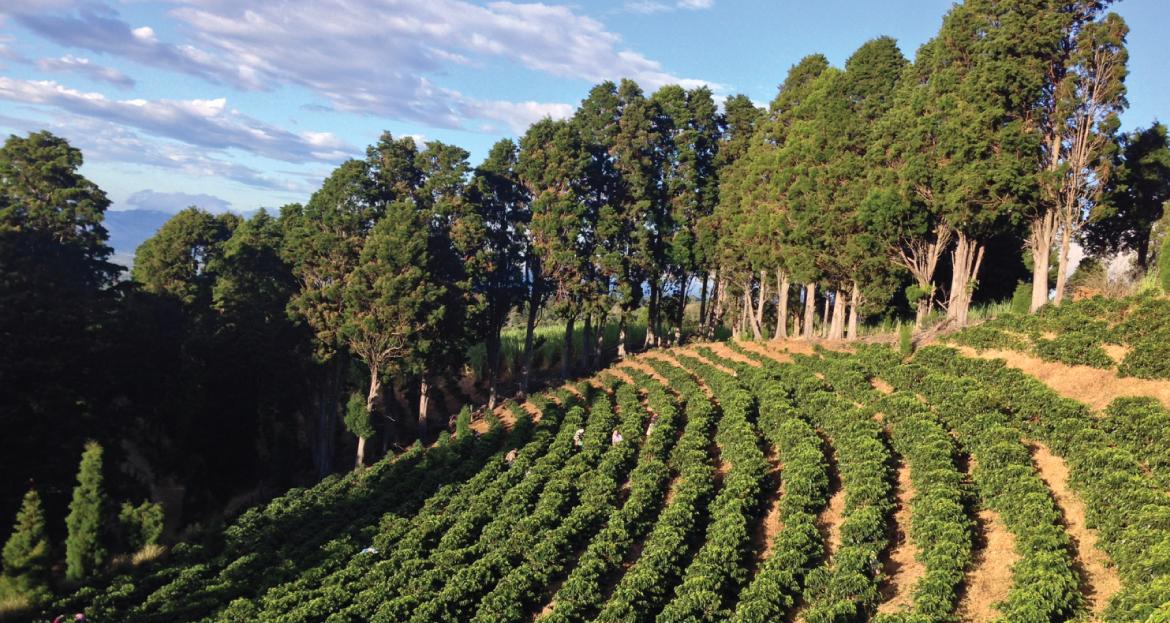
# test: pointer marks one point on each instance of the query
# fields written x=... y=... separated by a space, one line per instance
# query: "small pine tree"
x=141 y=525
x=905 y=339
x=27 y=553
x=84 y=552
x=1022 y=298
x=463 y=424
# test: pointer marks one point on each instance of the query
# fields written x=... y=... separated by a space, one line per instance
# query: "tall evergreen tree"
x=27 y=555
x=500 y=210
x=1136 y=197
x=84 y=550
x=175 y=261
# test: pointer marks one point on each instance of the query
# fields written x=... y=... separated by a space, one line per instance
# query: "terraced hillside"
x=719 y=482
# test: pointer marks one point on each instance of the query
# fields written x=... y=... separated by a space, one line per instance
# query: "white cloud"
x=646 y=7
x=174 y=202
x=87 y=68
x=203 y=123
x=380 y=57
x=696 y=4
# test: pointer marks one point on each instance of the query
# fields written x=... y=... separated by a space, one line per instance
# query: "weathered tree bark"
x=682 y=309
x=854 y=315
x=719 y=308
x=1040 y=238
x=781 y=306
x=837 y=324
x=424 y=405
x=965 y=260
x=621 y=342
x=744 y=305
x=1062 y=267
x=567 y=350
x=810 y=309
x=758 y=319
x=529 y=338
x=920 y=257
x=598 y=347
x=373 y=406
x=825 y=317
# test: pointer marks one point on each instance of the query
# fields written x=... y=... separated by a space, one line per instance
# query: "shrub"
x=141 y=525
x=1150 y=357
x=906 y=339
x=463 y=423
x=1074 y=349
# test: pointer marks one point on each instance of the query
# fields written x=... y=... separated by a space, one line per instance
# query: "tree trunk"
x=854 y=303
x=1062 y=265
x=621 y=342
x=718 y=307
x=529 y=338
x=759 y=317
x=598 y=356
x=493 y=363
x=703 y=302
x=424 y=404
x=754 y=316
x=373 y=404
x=567 y=350
x=587 y=345
x=781 y=306
x=837 y=324
x=1142 y=247
x=825 y=317
x=328 y=401
x=652 y=316
x=922 y=308
x=810 y=309
x=965 y=260
x=1040 y=239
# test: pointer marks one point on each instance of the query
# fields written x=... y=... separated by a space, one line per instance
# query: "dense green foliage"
x=27 y=555
x=84 y=550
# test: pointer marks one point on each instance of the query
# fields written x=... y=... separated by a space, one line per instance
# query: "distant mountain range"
x=130 y=228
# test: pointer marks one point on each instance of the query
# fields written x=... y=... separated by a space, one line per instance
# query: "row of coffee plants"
x=480 y=532
x=275 y=543
x=644 y=588
x=403 y=540
x=505 y=542
x=583 y=591
x=1129 y=510
x=1045 y=584
x=514 y=598
x=798 y=546
x=1142 y=426
x=846 y=587
x=717 y=573
x=939 y=522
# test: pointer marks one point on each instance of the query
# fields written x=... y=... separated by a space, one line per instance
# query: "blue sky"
x=235 y=105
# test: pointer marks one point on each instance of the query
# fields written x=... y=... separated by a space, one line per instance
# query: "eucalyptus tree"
x=1083 y=95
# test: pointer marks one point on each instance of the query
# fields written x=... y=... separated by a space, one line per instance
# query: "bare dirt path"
x=724 y=352
x=990 y=577
x=688 y=351
x=1101 y=582
x=1092 y=386
x=760 y=350
x=902 y=569
x=769 y=526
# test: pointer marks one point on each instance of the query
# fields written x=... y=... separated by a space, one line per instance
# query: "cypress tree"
x=83 y=548
x=26 y=554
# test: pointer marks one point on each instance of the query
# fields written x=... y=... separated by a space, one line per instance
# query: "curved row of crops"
x=635 y=500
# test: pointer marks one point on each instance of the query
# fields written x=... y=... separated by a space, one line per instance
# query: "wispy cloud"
x=87 y=68
x=655 y=6
x=206 y=123
x=378 y=58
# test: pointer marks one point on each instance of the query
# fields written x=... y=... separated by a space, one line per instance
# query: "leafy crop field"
x=728 y=482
